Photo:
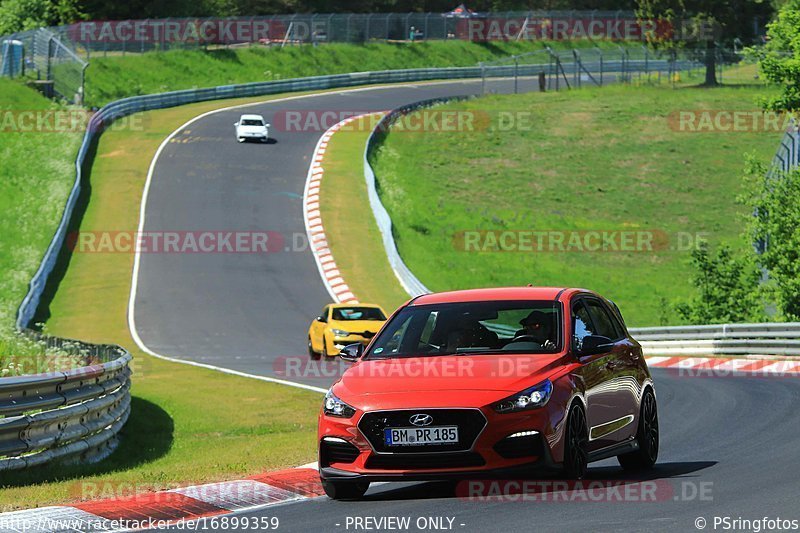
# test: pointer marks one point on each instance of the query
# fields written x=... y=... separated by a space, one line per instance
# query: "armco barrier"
x=73 y=414
x=777 y=338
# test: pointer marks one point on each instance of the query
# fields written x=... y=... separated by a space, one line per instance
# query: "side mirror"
x=235 y=124
x=594 y=344
x=352 y=352
x=320 y=318
x=267 y=125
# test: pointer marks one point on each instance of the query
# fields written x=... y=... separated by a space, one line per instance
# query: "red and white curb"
x=161 y=509
x=338 y=289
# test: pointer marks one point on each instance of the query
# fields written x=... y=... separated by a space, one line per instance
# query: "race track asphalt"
x=728 y=449
x=729 y=444
x=243 y=311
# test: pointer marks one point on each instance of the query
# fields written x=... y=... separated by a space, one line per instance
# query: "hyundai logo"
x=421 y=419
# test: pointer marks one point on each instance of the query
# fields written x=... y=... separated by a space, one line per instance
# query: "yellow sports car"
x=343 y=324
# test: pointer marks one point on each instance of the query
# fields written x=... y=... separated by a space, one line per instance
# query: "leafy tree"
x=776 y=223
x=780 y=60
x=21 y=15
x=728 y=288
x=698 y=24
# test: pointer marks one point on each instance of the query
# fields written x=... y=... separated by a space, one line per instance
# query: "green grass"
x=113 y=77
x=353 y=234
x=36 y=174
x=185 y=426
x=601 y=159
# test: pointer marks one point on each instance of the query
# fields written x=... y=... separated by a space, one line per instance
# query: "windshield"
x=471 y=327
x=252 y=122
x=358 y=313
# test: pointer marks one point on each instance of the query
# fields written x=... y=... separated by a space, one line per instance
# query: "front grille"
x=527 y=446
x=470 y=423
x=425 y=461
x=334 y=451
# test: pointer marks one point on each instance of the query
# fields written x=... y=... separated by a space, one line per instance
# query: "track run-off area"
x=729 y=444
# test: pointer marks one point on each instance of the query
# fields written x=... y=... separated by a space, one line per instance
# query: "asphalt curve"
x=728 y=449
x=245 y=311
x=729 y=445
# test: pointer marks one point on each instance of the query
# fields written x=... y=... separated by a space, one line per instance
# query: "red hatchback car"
x=489 y=382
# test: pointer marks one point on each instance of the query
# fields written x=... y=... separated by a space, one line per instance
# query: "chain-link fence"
x=551 y=69
x=43 y=56
x=138 y=36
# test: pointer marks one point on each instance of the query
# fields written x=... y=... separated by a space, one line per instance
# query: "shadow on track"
x=610 y=475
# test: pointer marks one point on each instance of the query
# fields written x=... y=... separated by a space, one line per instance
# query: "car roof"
x=252 y=117
x=497 y=293
x=338 y=306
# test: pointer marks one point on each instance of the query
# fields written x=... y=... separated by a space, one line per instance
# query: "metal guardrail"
x=787 y=157
x=69 y=414
x=769 y=338
x=410 y=283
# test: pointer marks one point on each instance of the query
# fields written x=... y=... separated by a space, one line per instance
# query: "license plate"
x=420 y=436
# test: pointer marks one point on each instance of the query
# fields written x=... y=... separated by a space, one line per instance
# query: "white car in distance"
x=252 y=127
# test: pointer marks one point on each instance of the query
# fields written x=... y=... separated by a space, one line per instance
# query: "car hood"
x=357 y=326
x=505 y=373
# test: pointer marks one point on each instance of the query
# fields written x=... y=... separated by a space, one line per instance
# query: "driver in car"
x=538 y=326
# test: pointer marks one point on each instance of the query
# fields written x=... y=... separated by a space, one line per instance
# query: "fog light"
x=523 y=434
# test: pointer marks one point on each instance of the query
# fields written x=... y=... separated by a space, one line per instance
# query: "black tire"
x=646 y=435
x=311 y=353
x=576 y=444
x=345 y=490
x=324 y=348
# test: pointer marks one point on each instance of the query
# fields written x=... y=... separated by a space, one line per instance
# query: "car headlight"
x=333 y=406
x=531 y=398
x=340 y=332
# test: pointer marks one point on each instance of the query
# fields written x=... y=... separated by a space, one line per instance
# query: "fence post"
x=516 y=74
x=48 y=71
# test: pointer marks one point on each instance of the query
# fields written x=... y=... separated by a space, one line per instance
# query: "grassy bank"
x=36 y=174
x=186 y=426
x=611 y=159
x=353 y=234
x=113 y=77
